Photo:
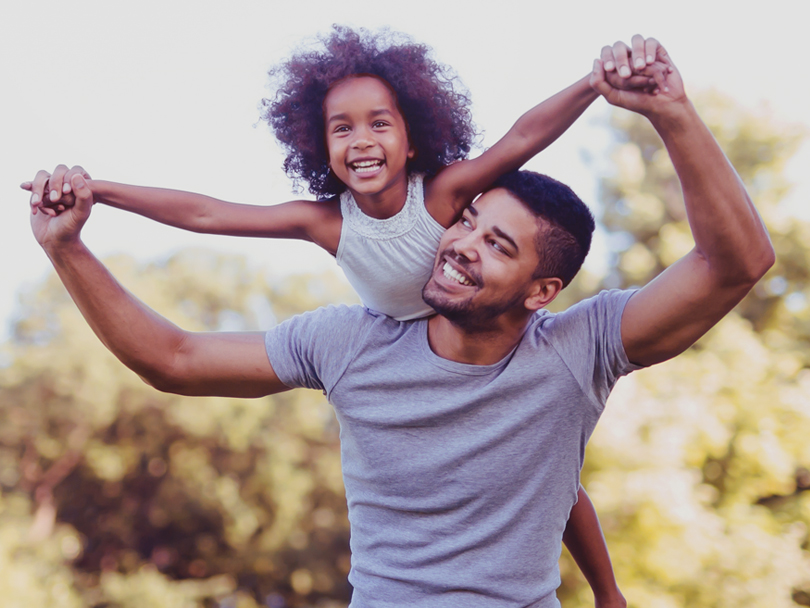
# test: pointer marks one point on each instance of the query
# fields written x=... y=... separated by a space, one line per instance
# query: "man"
x=462 y=435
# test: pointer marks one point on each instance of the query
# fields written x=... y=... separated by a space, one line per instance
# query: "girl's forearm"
x=544 y=123
x=185 y=210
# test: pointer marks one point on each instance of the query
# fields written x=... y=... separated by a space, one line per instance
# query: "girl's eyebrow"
x=335 y=117
x=373 y=113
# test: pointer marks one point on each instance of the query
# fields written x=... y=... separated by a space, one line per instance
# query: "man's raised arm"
x=168 y=358
x=732 y=249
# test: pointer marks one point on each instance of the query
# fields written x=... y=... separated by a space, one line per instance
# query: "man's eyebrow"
x=505 y=237
x=473 y=211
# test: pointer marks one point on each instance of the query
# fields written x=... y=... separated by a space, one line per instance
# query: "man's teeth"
x=454 y=274
x=366 y=166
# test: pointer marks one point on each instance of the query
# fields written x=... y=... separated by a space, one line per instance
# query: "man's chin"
x=466 y=313
x=439 y=301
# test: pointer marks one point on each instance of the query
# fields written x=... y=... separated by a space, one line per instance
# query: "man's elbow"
x=760 y=263
x=165 y=382
x=746 y=269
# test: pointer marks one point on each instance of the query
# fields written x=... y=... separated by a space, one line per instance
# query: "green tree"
x=700 y=467
x=117 y=495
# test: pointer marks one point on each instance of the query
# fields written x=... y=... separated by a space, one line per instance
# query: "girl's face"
x=367 y=138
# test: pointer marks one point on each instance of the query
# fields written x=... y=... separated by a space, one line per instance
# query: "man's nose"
x=467 y=246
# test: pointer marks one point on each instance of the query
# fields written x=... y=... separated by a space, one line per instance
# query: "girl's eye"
x=380 y=124
x=341 y=129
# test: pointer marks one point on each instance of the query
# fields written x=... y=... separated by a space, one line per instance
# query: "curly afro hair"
x=432 y=100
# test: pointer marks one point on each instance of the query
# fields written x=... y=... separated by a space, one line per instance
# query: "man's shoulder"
x=348 y=319
x=336 y=316
x=314 y=349
x=608 y=304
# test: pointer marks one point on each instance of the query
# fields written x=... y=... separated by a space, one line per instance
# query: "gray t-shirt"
x=459 y=478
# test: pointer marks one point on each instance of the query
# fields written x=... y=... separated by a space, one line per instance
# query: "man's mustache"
x=463 y=262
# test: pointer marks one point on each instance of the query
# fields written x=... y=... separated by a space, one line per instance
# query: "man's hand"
x=53 y=228
x=53 y=193
x=647 y=57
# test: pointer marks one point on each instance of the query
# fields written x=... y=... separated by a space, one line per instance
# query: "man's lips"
x=452 y=271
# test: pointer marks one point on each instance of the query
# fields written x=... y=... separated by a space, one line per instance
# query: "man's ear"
x=542 y=293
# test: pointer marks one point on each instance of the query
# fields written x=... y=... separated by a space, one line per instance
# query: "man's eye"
x=465 y=222
x=498 y=247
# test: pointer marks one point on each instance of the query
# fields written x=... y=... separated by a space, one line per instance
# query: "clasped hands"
x=640 y=77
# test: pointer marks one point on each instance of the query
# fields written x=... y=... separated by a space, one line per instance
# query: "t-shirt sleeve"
x=313 y=350
x=588 y=338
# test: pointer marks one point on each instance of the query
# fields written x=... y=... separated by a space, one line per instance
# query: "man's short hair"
x=567 y=225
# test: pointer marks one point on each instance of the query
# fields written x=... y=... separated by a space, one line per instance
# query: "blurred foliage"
x=116 y=495
x=113 y=495
x=700 y=467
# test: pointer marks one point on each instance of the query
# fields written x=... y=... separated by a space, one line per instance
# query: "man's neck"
x=475 y=347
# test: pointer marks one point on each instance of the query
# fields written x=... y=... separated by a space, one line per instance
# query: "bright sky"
x=165 y=93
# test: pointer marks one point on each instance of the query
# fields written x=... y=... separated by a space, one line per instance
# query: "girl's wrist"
x=101 y=189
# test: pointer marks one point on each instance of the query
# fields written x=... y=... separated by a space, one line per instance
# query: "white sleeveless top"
x=389 y=261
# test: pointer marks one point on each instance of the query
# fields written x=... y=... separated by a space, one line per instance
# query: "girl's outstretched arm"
x=455 y=187
x=315 y=221
x=583 y=538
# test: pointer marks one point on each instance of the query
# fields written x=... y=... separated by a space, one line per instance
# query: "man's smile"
x=453 y=274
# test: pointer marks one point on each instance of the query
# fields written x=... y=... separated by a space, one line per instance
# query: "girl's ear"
x=411 y=152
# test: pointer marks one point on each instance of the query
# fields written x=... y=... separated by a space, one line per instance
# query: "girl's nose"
x=362 y=143
x=362 y=139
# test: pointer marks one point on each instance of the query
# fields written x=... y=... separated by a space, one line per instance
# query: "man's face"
x=485 y=262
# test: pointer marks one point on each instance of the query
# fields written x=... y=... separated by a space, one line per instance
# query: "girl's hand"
x=668 y=95
x=625 y=67
x=52 y=193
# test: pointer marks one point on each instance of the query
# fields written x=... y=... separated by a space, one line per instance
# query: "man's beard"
x=467 y=314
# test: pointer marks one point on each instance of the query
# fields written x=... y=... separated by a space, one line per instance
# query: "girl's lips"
x=366 y=165
x=366 y=172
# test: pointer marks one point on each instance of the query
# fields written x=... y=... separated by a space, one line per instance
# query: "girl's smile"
x=368 y=145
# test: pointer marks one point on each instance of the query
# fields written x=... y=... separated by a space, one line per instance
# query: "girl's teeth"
x=366 y=166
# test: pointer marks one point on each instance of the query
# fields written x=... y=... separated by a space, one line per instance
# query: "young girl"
x=374 y=126
x=380 y=132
